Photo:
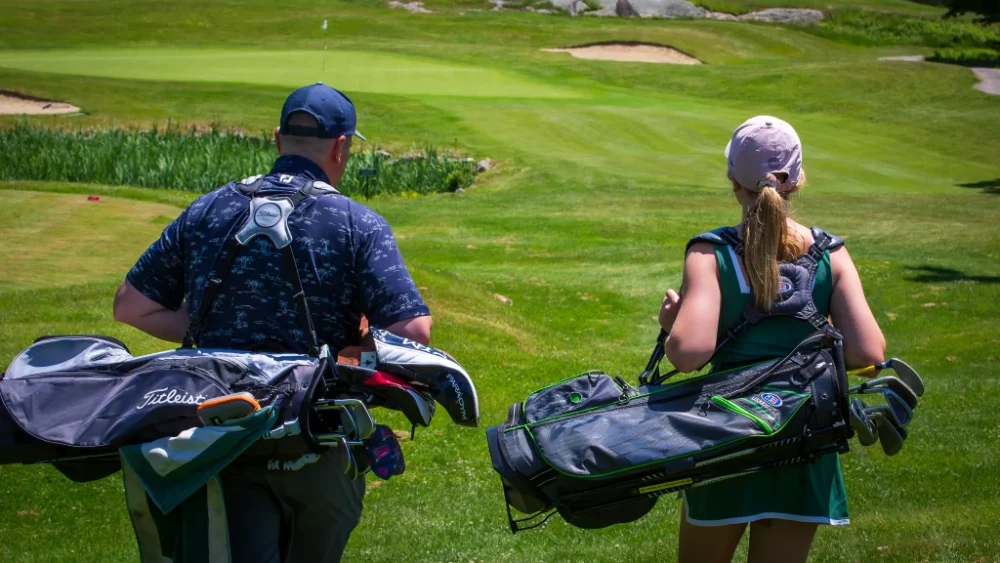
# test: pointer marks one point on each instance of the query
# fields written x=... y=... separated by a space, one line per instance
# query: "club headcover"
x=395 y=393
x=447 y=381
x=385 y=457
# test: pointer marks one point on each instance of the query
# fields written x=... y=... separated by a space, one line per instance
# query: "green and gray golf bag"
x=600 y=452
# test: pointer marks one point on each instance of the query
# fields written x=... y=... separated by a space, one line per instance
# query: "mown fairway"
x=606 y=169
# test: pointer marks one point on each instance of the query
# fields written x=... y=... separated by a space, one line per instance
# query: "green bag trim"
x=733 y=407
x=748 y=402
x=776 y=390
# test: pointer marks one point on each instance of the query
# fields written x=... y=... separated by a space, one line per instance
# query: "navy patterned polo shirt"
x=346 y=254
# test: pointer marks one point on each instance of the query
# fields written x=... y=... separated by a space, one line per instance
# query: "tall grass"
x=200 y=161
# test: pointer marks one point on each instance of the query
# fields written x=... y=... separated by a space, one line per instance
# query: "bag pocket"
x=732 y=407
x=583 y=392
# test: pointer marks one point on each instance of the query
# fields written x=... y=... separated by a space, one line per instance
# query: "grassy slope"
x=583 y=228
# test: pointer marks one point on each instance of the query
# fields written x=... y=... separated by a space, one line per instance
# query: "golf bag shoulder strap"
x=267 y=216
x=795 y=292
x=723 y=236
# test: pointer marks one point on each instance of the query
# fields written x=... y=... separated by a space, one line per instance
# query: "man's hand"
x=668 y=310
x=135 y=309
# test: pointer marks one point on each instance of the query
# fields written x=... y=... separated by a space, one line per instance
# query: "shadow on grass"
x=936 y=274
x=988 y=186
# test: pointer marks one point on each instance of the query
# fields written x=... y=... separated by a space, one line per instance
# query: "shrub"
x=967 y=57
x=865 y=27
x=200 y=161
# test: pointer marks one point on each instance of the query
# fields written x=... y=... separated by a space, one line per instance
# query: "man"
x=349 y=266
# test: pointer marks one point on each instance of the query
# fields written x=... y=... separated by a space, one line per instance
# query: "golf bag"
x=600 y=452
x=74 y=400
x=69 y=399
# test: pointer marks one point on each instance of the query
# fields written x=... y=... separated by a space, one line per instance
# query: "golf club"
x=896 y=404
x=363 y=422
x=897 y=386
x=888 y=434
x=888 y=414
x=358 y=423
x=902 y=369
x=862 y=426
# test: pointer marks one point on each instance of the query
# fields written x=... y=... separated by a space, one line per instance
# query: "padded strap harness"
x=795 y=286
x=795 y=299
x=267 y=216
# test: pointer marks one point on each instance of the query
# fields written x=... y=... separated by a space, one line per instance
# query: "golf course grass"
x=604 y=171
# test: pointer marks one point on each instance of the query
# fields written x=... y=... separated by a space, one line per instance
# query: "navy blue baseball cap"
x=333 y=110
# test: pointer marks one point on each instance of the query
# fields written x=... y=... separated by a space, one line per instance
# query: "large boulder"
x=785 y=15
x=650 y=9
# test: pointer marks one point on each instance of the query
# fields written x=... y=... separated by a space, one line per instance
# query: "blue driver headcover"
x=385 y=457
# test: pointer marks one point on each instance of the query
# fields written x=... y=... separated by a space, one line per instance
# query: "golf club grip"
x=864 y=371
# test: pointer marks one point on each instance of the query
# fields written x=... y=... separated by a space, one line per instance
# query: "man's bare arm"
x=135 y=309
x=416 y=328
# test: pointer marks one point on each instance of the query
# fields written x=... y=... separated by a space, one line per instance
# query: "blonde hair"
x=768 y=241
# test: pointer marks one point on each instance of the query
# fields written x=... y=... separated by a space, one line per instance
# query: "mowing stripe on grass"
x=350 y=71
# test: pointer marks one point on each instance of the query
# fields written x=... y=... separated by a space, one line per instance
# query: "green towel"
x=172 y=469
x=174 y=497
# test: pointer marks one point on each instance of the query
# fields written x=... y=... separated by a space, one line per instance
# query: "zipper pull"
x=703 y=403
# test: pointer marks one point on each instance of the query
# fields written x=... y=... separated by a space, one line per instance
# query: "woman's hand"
x=668 y=310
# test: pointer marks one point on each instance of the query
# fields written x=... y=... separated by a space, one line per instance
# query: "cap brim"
x=359 y=135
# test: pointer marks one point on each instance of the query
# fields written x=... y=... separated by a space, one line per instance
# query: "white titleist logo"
x=173 y=396
x=459 y=396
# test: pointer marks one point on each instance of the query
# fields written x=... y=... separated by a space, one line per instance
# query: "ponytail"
x=767 y=240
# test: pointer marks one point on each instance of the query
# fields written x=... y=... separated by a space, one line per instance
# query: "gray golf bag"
x=74 y=400
x=600 y=452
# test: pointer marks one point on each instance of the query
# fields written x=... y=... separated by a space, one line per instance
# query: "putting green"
x=352 y=71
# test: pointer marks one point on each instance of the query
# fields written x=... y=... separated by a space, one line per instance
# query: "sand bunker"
x=12 y=103
x=629 y=53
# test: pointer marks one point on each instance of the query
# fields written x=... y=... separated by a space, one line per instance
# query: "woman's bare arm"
x=693 y=334
x=864 y=343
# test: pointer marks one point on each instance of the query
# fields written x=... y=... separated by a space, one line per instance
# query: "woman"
x=785 y=505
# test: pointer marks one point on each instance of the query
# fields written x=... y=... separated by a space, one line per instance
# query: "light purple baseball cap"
x=764 y=145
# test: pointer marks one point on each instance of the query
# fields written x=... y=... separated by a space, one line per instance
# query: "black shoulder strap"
x=806 y=309
x=227 y=255
x=722 y=236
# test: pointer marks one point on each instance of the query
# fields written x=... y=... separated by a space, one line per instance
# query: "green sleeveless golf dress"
x=806 y=492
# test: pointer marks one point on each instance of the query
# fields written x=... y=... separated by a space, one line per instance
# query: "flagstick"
x=323 y=27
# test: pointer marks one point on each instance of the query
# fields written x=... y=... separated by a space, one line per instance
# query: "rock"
x=544 y=11
x=798 y=16
x=650 y=9
x=383 y=153
x=573 y=7
x=624 y=9
x=412 y=7
x=484 y=165
x=459 y=191
x=685 y=9
x=503 y=299
x=721 y=16
x=497 y=5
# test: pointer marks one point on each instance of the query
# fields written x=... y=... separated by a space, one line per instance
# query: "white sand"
x=630 y=53
x=12 y=104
